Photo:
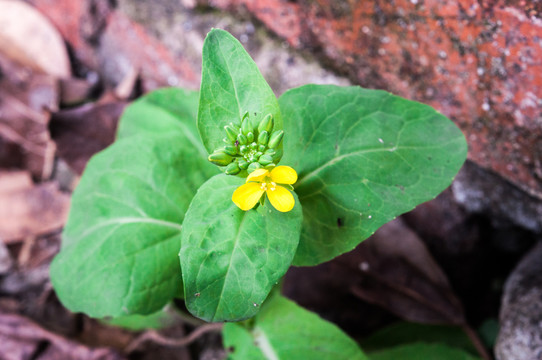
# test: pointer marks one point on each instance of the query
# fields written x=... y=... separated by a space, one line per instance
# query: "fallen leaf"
x=28 y=37
x=21 y=338
x=74 y=91
x=27 y=209
x=392 y=270
x=83 y=131
x=26 y=99
x=398 y=273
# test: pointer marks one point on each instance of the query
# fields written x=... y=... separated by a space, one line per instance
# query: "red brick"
x=476 y=63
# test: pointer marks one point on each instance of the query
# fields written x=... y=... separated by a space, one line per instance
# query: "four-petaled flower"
x=262 y=180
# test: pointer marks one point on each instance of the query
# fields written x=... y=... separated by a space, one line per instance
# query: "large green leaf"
x=230 y=258
x=363 y=158
x=422 y=351
x=231 y=84
x=119 y=249
x=161 y=319
x=285 y=331
x=162 y=113
x=403 y=333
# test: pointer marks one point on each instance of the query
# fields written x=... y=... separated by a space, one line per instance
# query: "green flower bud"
x=275 y=139
x=245 y=126
x=231 y=133
x=261 y=148
x=265 y=160
x=233 y=168
x=243 y=149
x=235 y=127
x=258 y=154
x=242 y=139
x=220 y=158
x=253 y=146
x=253 y=166
x=250 y=136
x=243 y=164
x=230 y=149
x=263 y=138
x=277 y=156
x=266 y=124
x=270 y=152
x=245 y=116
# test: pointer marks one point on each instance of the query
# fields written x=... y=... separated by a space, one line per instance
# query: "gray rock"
x=6 y=262
x=182 y=30
x=482 y=191
x=520 y=336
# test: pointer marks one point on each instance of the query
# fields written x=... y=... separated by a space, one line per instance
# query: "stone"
x=476 y=62
x=520 y=335
x=482 y=191
x=182 y=30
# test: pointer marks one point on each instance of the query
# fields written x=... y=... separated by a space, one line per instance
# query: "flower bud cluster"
x=249 y=148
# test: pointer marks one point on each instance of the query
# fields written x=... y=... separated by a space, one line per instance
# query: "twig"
x=475 y=339
x=19 y=327
x=154 y=336
x=187 y=318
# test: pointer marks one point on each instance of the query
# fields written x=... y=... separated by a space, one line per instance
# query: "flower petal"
x=257 y=175
x=281 y=199
x=283 y=175
x=247 y=195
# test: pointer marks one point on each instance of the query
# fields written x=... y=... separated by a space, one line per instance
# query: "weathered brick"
x=478 y=63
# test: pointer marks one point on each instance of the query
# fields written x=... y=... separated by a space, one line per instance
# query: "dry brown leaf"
x=74 y=91
x=398 y=273
x=21 y=339
x=81 y=132
x=392 y=270
x=29 y=210
x=26 y=99
x=28 y=37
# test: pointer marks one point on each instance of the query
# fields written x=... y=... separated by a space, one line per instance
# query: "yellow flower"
x=262 y=180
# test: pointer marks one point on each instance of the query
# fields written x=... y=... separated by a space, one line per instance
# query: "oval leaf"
x=284 y=330
x=230 y=258
x=422 y=351
x=363 y=158
x=231 y=84
x=120 y=244
x=162 y=113
x=403 y=333
x=164 y=318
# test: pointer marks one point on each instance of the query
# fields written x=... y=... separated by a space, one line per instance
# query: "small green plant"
x=254 y=186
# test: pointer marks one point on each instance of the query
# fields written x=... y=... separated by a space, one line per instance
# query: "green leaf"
x=162 y=113
x=403 y=333
x=422 y=351
x=488 y=331
x=158 y=320
x=363 y=158
x=231 y=84
x=232 y=258
x=120 y=244
x=283 y=330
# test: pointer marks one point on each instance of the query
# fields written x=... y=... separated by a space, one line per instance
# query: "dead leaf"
x=21 y=338
x=391 y=271
x=26 y=99
x=75 y=91
x=28 y=37
x=27 y=209
x=398 y=273
x=81 y=132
